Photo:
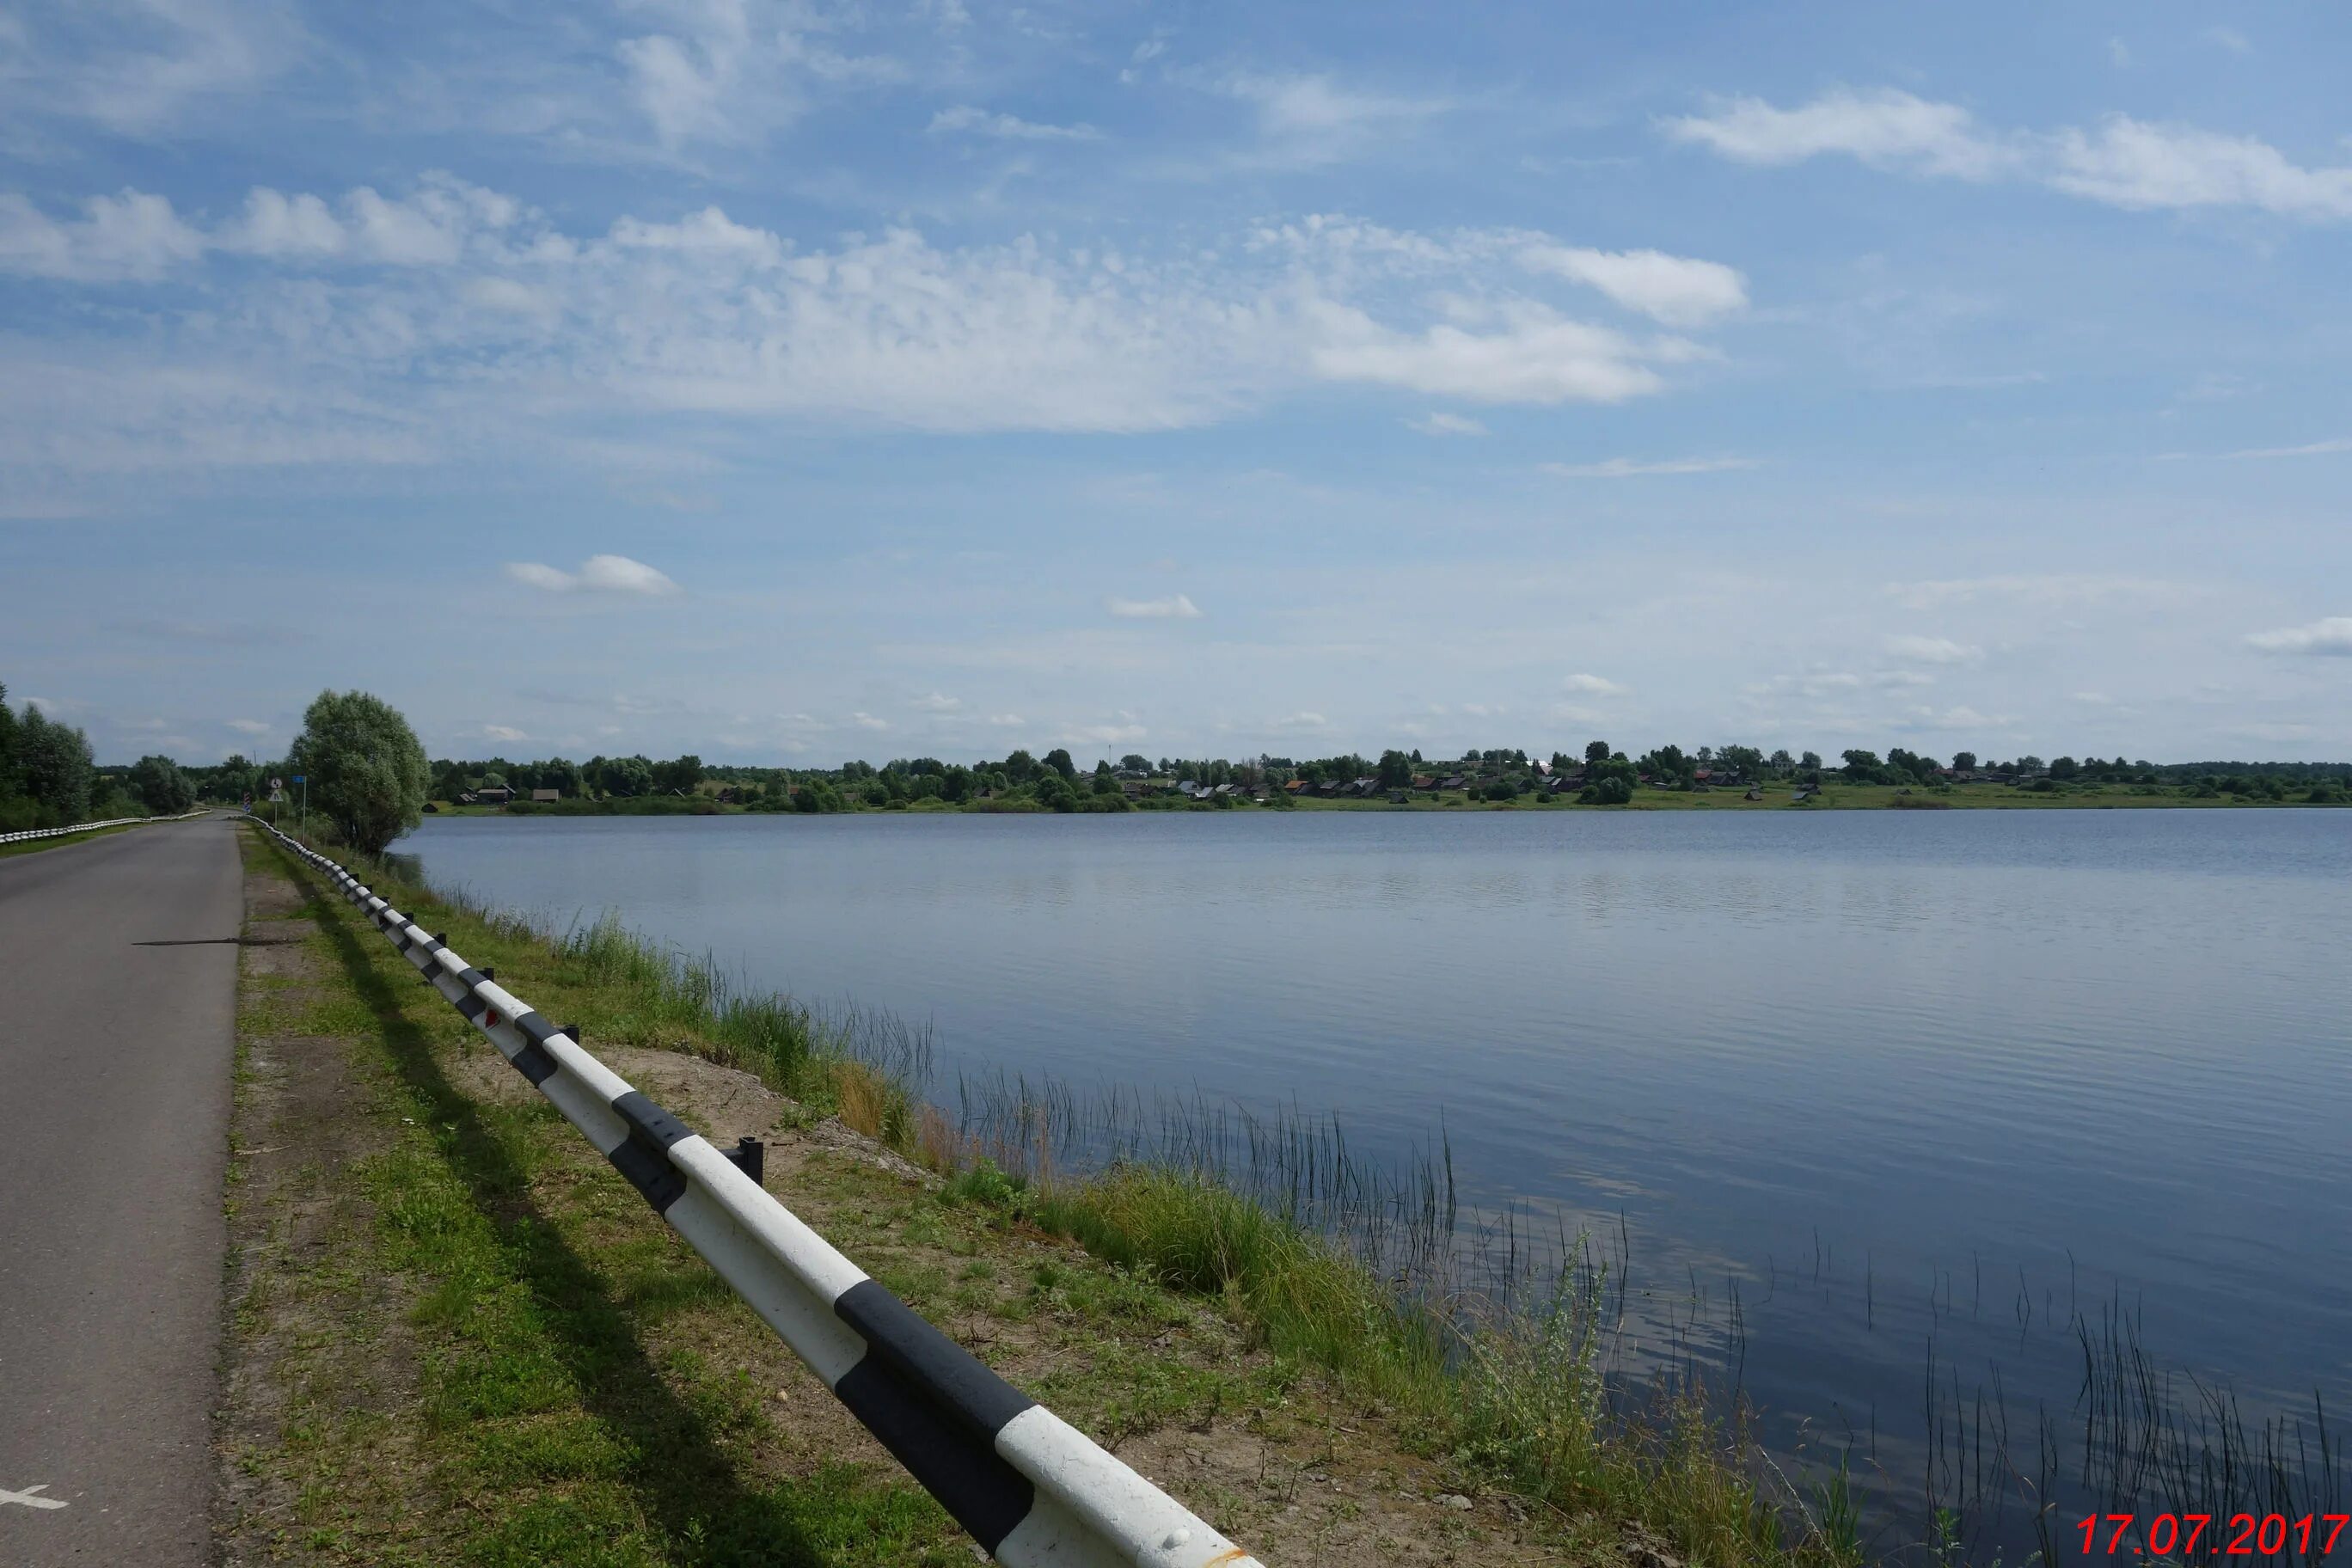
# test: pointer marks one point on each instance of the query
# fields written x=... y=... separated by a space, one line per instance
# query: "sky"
x=795 y=382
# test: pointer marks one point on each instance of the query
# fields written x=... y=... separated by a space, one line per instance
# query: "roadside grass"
x=1518 y=1402
x=564 y=1412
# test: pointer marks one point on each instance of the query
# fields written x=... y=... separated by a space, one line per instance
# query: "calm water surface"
x=1904 y=1079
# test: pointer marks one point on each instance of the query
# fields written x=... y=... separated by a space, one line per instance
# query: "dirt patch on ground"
x=314 y=1354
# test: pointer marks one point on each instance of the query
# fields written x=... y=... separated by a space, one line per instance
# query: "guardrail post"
x=751 y=1157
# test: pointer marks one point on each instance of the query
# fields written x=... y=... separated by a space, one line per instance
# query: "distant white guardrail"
x=1033 y=1490
x=93 y=826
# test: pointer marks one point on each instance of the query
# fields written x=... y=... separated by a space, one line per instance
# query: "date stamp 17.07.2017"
x=2192 y=1535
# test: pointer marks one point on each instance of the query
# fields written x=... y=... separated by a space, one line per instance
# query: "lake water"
x=1921 y=1086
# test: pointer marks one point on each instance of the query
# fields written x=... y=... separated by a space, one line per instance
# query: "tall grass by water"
x=1536 y=1344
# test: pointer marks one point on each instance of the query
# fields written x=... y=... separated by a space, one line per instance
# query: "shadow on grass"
x=678 y=1474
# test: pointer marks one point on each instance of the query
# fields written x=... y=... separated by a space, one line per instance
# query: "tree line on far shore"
x=1603 y=775
x=368 y=779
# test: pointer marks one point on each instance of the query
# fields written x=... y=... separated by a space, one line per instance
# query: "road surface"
x=118 y=1002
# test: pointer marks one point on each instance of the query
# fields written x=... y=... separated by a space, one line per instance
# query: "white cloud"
x=502 y=732
x=2050 y=590
x=1932 y=650
x=2333 y=447
x=597 y=575
x=732 y=72
x=1631 y=468
x=248 y=726
x=485 y=317
x=1308 y=119
x=2330 y=637
x=506 y=296
x=937 y=702
x=137 y=67
x=138 y=237
x=1109 y=734
x=1303 y=719
x=1959 y=718
x=680 y=88
x=1009 y=337
x=2123 y=161
x=280 y=226
x=1530 y=355
x=868 y=721
x=1592 y=685
x=1006 y=721
x=2230 y=40
x=966 y=118
x=126 y=237
x=2131 y=164
x=1675 y=289
x=1439 y=422
x=1174 y=607
x=1886 y=129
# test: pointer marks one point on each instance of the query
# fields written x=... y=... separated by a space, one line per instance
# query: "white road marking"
x=28 y=1499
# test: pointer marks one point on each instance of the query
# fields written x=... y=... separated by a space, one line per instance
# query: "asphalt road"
x=114 y=1098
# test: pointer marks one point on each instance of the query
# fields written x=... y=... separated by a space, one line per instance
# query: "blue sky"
x=794 y=382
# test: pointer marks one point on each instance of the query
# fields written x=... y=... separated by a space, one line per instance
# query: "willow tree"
x=366 y=773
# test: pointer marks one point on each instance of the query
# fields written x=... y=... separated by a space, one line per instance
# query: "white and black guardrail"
x=1031 y=1489
x=93 y=826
